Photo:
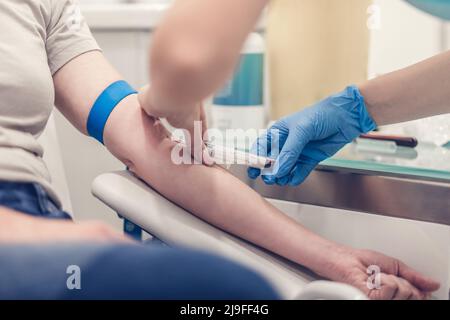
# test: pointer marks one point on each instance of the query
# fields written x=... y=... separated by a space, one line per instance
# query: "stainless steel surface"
x=394 y=197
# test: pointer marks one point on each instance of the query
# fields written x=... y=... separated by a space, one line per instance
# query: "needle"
x=230 y=156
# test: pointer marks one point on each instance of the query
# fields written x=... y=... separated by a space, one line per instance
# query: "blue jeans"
x=30 y=198
x=87 y=271
x=90 y=272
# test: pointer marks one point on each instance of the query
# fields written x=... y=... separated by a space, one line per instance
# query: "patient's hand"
x=395 y=280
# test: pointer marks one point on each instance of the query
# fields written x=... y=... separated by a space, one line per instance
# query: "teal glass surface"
x=438 y=8
x=427 y=161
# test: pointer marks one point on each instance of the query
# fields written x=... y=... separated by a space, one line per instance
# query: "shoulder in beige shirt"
x=38 y=38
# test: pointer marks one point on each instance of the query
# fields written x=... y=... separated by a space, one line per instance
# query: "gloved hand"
x=312 y=135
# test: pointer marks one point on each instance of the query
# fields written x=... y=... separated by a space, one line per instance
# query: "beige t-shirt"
x=37 y=38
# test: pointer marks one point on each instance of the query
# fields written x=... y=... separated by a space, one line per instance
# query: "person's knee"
x=160 y=273
x=224 y=279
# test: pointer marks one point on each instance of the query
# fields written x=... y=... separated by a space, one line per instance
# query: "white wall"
x=405 y=36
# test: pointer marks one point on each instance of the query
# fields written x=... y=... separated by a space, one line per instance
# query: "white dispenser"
x=240 y=104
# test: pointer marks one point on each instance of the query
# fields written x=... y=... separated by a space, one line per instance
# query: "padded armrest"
x=139 y=203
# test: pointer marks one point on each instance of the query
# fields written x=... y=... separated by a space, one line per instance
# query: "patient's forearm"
x=20 y=228
x=212 y=193
x=221 y=199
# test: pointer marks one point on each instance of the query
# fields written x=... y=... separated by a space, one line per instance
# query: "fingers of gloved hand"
x=282 y=181
x=253 y=173
x=269 y=179
x=290 y=153
x=261 y=147
x=300 y=173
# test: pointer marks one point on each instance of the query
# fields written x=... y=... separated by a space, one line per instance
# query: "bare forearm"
x=232 y=206
x=213 y=194
x=192 y=56
x=10 y=218
x=421 y=90
x=20 y=228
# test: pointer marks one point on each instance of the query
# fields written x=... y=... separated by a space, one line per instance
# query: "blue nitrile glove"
x=312 y=135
